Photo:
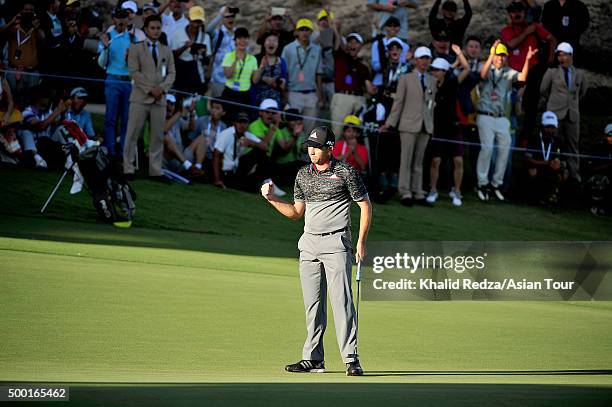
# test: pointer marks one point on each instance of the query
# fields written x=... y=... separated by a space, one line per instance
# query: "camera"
x=233 y=10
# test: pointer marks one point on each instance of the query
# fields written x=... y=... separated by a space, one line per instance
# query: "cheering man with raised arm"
x=323 y=192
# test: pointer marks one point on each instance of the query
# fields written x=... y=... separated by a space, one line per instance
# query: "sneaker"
x=40 y=162
x=432 y=197
x=306 y=366
x=457 y=200
x=483 y=193
x=498 y=195
x=354 y=369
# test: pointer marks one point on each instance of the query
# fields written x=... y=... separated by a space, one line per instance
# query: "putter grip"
x=359 y=271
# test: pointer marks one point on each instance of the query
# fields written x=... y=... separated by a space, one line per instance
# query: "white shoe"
x=498 y=194
x=432 y=197
x=452 y=192
x=40 y=162
x=457 y=200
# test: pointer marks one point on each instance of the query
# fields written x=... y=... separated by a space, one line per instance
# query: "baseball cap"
x=130 y=5
x=196 y=13
x=501 y=49
x=358 y=37
x=608 y=129
x=440 y=35
x=71 y=2
x=550 y=119
x=321 y=137
x=515 y=6
x=120 y=13
x=393 y=21
x=394 y=41
x=422 y=52
x=149 y=6
x=170 y=98
x=79 y=92
x=304 y=23
x=268 y=104
x=242 y=117
x=449 y=5
x=352 y=119
x=322 y=14
x=565 y=47
x=440 y=63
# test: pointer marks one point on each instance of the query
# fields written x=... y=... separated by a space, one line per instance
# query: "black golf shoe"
x=306 y=366
x=354 y=369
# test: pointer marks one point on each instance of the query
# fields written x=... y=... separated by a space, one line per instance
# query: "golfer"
x=323 y=191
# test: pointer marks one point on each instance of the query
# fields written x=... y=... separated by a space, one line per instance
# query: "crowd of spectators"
x=216 y=103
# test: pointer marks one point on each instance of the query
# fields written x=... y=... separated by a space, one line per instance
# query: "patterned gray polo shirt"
x=328 y=195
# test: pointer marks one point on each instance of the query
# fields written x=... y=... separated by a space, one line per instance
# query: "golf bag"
x=113 y=198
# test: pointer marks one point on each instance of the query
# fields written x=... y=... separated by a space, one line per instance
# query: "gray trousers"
x=325 y=263
x=138 y=115
x=570 y=134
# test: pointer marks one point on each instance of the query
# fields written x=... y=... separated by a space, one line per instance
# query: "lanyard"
x=300 y=63
x=19 y=41
x=241 y=66
x=394 y=74
x=545 y=153
x=216 y=132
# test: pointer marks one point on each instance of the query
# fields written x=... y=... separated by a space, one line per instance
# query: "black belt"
x=330 y=233
x=120 y=77
x=491 y=114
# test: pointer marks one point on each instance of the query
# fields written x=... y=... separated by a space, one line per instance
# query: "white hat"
x=422 y=52
x=130 y=5
x=550 y=119
x=440 y=63
x=79 y=92
x=356 y=36
x=268 y=104
x=608 y=129
x=170 y=98
x=565 y=47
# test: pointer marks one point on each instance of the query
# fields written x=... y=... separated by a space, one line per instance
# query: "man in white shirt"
x=240 y=158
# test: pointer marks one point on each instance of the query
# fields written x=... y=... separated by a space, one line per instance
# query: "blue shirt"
x=116 y=63
x=83 y=119
x=227 y=45
x=303 y=66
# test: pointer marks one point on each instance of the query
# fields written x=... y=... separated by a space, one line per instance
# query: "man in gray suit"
x=413 y=107
x=151 y=67
x=560 y=92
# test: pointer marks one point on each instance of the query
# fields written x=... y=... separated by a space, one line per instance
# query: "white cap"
x=608 y=129
x=170 y=98
x=565 y=47
x=130 y=5
x=422 y=52
x=356 y=36
x=550 y=119
x=440 y=63
x=268 y=104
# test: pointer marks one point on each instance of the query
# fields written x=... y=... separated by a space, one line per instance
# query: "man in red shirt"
x=348 y=149
x=351 y=79
x=520 y=36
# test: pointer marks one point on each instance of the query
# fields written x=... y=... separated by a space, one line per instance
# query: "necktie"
x=423 y=81
x=154 y=52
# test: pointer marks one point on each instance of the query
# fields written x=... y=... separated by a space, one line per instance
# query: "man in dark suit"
x=151 y=67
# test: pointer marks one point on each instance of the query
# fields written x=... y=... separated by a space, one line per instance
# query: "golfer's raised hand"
x=267 y=190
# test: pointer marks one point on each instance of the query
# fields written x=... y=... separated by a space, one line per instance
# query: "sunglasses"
x=230 y=17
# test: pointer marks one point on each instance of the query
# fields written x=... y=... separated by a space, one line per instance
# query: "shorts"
x=447 y=144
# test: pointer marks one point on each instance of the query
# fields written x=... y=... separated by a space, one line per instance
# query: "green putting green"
x=200 y=304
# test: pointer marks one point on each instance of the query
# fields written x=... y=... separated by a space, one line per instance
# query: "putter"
x=358 y=280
